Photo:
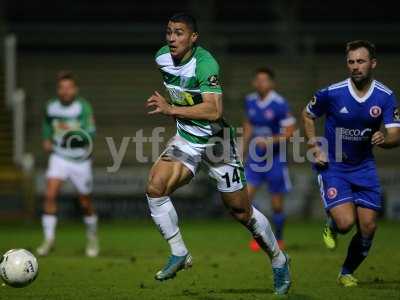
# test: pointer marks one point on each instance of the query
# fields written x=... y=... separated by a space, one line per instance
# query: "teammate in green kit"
x=191 y=77
x=68 y=132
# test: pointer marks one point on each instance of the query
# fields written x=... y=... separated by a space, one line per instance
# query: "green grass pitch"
x=224 y=267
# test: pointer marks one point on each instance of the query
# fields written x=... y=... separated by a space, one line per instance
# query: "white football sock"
x=166 y=219
x=91 y=226
x=263 y=234
x=177 y=245
x=49 y=223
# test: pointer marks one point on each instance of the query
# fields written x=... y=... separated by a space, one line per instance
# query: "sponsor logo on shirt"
x=180 y=97
x=60 y=127
x=375 y=111
x=358 y=135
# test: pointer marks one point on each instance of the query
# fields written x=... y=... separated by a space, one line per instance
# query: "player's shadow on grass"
x=379 y=283
x=303 y=247
x=262 y=291
x=245 y=291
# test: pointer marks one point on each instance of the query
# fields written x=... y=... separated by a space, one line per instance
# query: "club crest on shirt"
x=375 y=111
x=331 y=193
x=269 y=114
x=396 y=115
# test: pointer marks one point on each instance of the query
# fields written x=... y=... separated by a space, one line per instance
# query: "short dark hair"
x=186 y=18
x=354 y=45
x=66 y=75
x=266 y=70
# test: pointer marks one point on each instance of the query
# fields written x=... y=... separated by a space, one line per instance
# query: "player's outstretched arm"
x=210 y=109
x=390 y=140
x=88 y=124
x=391 y=119
x=47 y=146
x=47 y=133
x=309 y=129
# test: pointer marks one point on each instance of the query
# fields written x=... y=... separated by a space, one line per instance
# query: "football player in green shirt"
x=191 y=77
x=68 y=132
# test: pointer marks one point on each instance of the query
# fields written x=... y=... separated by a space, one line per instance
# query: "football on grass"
x=18 y=267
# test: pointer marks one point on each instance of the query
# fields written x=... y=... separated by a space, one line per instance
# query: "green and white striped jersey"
x=185 y=84
x=70 y=127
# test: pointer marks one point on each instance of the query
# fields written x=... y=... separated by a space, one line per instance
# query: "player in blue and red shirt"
x=354 y=110
x=268 y=122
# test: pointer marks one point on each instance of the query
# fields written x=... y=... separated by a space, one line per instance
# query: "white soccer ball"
x=18 y=267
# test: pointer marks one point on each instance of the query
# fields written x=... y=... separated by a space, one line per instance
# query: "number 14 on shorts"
x=234 y=177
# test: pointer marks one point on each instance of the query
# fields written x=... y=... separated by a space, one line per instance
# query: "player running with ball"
x=191 y=76
x=354 y=110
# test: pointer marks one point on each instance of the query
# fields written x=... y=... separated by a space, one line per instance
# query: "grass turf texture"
x=224 y=267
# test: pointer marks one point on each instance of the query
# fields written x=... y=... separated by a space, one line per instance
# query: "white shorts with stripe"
x=221 y=161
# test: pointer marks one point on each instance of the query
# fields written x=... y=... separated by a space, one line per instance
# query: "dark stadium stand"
x=113 y=57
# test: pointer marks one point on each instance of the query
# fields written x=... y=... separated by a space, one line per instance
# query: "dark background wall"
x=110 y=46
